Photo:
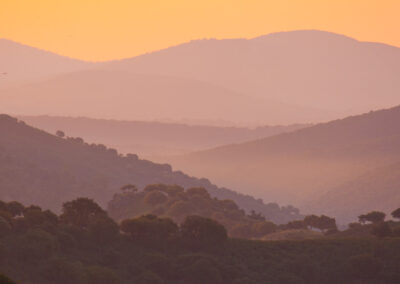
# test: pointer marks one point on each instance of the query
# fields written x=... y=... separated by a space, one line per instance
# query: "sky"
x=100 y=30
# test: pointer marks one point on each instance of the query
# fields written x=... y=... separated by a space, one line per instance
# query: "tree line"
x=85 y=245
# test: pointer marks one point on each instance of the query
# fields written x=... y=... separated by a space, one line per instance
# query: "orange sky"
x=111 y=29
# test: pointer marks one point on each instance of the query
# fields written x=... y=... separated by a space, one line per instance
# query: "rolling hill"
x=316 y=69
x=301 y=166
x=43 y=169
x=280 y=78
x=129 y=96
x=21 y=63
x=151 y=139
x=377 y=190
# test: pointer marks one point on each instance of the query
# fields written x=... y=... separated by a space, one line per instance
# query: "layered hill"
x=40 y=168
x=316 y=69
x=377 y=189
x=129 y=96
x=150 y=139
x=300 y=166
x=22 y=63
x=281 y=78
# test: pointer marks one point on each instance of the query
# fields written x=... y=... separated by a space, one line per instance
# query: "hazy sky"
x=111 y=29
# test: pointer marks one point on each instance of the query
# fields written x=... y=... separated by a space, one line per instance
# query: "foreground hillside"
x=83 y=245
x=39 y=168
x=153 y=138
x=301 y=166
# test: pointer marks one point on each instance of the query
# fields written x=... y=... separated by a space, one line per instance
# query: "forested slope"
x=40 y=168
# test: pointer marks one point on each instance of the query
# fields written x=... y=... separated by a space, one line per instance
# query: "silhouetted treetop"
x=175 y=202
x=373 y=217
x=396 y=213
x=81 y=212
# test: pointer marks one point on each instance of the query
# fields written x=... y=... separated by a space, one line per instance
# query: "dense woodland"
x=84 y=245
x=43 y=169
x=176 y=203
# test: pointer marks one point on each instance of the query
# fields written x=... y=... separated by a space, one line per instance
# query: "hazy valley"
x=272 y=159
x=304 y=165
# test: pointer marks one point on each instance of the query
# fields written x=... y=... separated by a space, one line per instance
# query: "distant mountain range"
x=21 y=64
x=316 y=69
x=153 y=139
x=128 y=96
x=46 y=170
x=282 y=78
x=343 y=167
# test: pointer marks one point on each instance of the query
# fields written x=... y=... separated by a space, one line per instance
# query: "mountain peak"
x=305 y=35
x=22 y=63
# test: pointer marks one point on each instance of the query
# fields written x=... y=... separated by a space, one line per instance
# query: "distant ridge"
x=125 y=95
x=151 y=139
x=283 y=78
x=23 y=63
x=309 y=68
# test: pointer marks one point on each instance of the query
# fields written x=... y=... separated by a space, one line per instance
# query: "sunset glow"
x=191 y=142
x=103 y=30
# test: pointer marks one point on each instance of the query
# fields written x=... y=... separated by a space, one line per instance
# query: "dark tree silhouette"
x=312 y=221
x=203 y=232
x=326 y=223
x=60 y=134
x=34 y=217
x=323 y=223
x=298 y=224
x=150 y=229
x=81 y=212
x=373 y=217
x=396 y=213
x=129 y=188
x=155 y=197
x=15 y=208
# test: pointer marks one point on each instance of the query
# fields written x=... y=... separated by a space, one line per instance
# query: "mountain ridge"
x=152 y=139
x=261 y=66
x=130 y=96
x=23 y=63
x=305 y=164
x=272 y=34
x=330 y=75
